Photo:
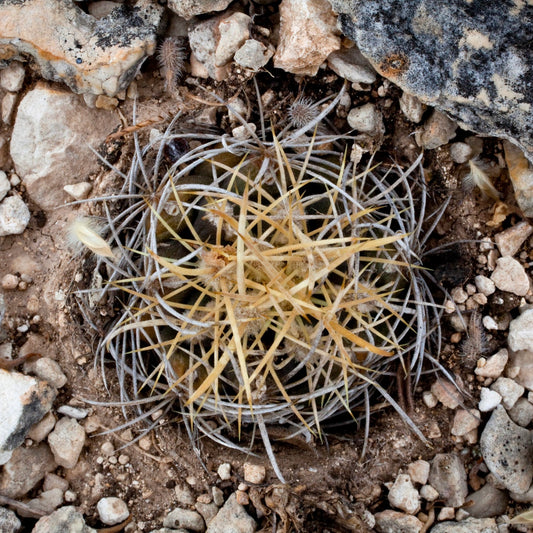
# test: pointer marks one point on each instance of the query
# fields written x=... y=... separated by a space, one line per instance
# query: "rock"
x=460 y=152
x=218 y=496
x=12 y=77
x=185 y=519
x=509 y=390
x=428 y=493
x=14 y=216
x=521 y=332
x=10 y=282
x=253 y=55
x=207 y=510
x=520 y=367
x=53 y=481
x=112 y=510
x=308 y=35
x=510 y=276
x=25 y=469
x=403 y=495
x=232 y=518
x=521 y=175
x=233 y=32
x=470 y=525
x=395 y=522
x=73 y=412
x=429 y=399
x=489 y=400
x=350 y=64
x=24 y=402
x=522 y=412
x=190 y=8
x=494 y=366
x=446 y=513
x=448 y=476
x=419 y=471
x=469 y=60
x=9 y=523
x=510 y=240
x=60 y=128
x=78 y=191
x=47 y=502
x=508 y=451
x=40 y=431
x=437 y=131
x=524 y=497
x=184 y=494
x=224 y=471
x=101 y=8
x=485 y=285
x=64 y=519
x=5 y=186
x=66 y=442
x=9 y=102
x=447 y=393
x=464 y=421
x=254 y=473
x=47 y=370
x=89 y=55
x=366 y=119
x=487 y=501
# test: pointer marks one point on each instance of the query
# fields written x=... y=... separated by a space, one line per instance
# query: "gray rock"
x=403 y=495
x=521 y=332
x=510 y=276
x=520 y=366
x=25 y=469
x=253 y=55
x=9 y=102
x=89 y=55
x=232 y=518
x=509 y=390
x=47 y=502
x=66 y=519
x=66 y=442
x=9 y=523
x=460 y=152
x=351 y=64
x=464 y=421
x=5 y=186
x=395 y=522
x=508 y=451
x=207 y=510
x=487 y=501
x=60 y=128
x=471 y=60
x=185 y=519
x=524 y=497
x=448 y=476
x=366 y=119
x=14 y=216
x=308 y=35
x=470 y=525
x=48 y=370
x=190 y=8
x=112 y=510
x=73 y=412
x=40 y=431
x=437 y=131
x=24 y=402
x=521 y=412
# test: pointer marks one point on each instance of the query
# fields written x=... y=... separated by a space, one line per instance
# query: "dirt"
x=329 y=483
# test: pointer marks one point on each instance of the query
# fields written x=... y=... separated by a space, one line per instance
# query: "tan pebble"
x=242 y=497
x=254 y=473
x=10 y=282
x=145 y=443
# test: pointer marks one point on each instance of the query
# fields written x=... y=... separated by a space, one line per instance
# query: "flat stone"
x=507 y=450
x=112 y=510
x=464 y=421
x=510 y=240
x=47 y=501
x=232 y=518
x=448 y=476
x=446 y=393
x=66 y=442
x=510 y=276
x=469 y=525
x=419 y=471
x=64 y=519
x=185 y=519
x=471 y=60
x=9 y=523
x=487 y=501
x=394 y=522
x=14 y=216
x=66 y=44
x=60 y=128
x=493 y=366
x=47 y=370
x=190 y=8
x=351 y=64
x=521 y=332
x=403 y=495
x=24 y=401
x=308 y=34
x=25 y=469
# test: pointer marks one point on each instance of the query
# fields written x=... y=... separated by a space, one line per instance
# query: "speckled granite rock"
x=68 y=45
x=470 y=59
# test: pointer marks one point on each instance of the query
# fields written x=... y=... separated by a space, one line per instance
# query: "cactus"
x=266 y=281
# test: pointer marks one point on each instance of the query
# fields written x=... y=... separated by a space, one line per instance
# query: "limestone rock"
x=350 y=64
x=183 y=518
x=64 y=519
x=470 y=525
x=403 y=495
x=112 y=510
x=232 y=518
x=308 y=34
x=510 y=276
x=68 y=45
x=510 y=240
x=487 y=501
x=14 y=216
x=24 y=401
x=253 y=55
x=521 y=332
x=392 y=522
x=190 y=8
x=508 y=451
x=51 y=139
x=66 y=442
x=448 y=477
x=471 y=60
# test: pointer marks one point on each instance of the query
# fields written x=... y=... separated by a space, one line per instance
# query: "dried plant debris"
x=266 y=282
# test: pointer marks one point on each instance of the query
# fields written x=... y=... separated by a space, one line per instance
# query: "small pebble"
x=522 y=412
x=460 y=152
x=242 y=497
x=419 y=471
x=366 y=119
x=464 y=421
x=254 y=473
x=489 y=323
x=224 y=471
x=428 y=493
x=183 y=518
x=510 y=240
x=10 y=282
x=509 y=390
x=112 y=510
x=448 y=476
x=447 y=393
x=510 y=276
x=74 y=412
x=493 y=366
x=459 y=295
x=218 y=496
x=403 y=495
x=14 y=216
x=446 y=513
x=489 y=400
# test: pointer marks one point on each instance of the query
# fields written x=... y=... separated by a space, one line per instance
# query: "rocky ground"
x=64 y=460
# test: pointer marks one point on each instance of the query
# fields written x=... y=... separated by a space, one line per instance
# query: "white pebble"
x=112 y=510
x=509 y=390
x=224 y=471
x=366 y=119
x=14 y=216
x=5 y=186
x=493 y=366
x=489 y=400
x=489 y=323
